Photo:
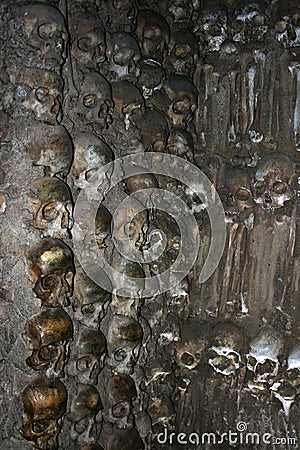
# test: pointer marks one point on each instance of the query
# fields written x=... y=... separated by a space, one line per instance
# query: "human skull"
x=228 y=344
x=45 y=402
x=49 y=146
x=162 y=412
x=125 y=439
x=263 y=357
x=124 y=340
x=94 y=104
x=179 y=297
x=45 y=97
x=183 y=53
x=120 y=393
x=250 y=21
x=129 y=102
x=123 y=54
x=151 y=76
x=51 y=268
x=86 y=416
x=49 y=335
x=274 y=181
x=153 y=34
x=293 y=366
x=287 y=27
x=181 y=12
x=194 y=341
x=89 y=354
x=182 y=95
x=180 y=143
x=213 y=26
x=235 y=191
x=122 y=15
x=88 y=42
x=52 y=207
x=45 y=31
x=92 y=300
x=134 y=273
x=154 y=130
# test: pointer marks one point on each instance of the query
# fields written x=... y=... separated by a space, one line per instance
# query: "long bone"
x=246 y=58
x=255 y=132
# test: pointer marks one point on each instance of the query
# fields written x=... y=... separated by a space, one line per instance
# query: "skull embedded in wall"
x=293 y=366
x=51 y=268
x=181 y=12
x=94 y=104
x=183 y=53
x=124 y=340
x=120 y=393
x=274 y=182
x=263 y=358
x=125 y=439
x=88 y=356
x=213 y=26
x=162 y=412
x=123 y=54
x=228 y=345
x=287 y=27
x=122 y=15
x=180 y=143
x=88 y=44
x=153 y=34
x=154 y=130
x=45 y=30
x=182 y=95
x=129 y=102
x=250 y=21
x=92 y=300
x=52 y=207
x=194 y=341
x=179 y=298
x=45 y=97
x=45 y=402
x=49 y=146
x=151 y=76
x=49 y=335
x=86 y=416
x=235 y=191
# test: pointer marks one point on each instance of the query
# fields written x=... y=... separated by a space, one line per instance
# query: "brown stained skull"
x=88 y=41
x=151 y=76
x=235 y=190
x=153 y=34
x=51 y=268
x=45 y=31
x=287 y=26
x=183 y=53
x=122 y=15
x=274 y=182
x=123 y=55
x=181 y=12
x=52 y=207
x=182 y=95
x=228 y=346
x=250 y=21
x=49 y=146
x=124 y=340
x=88 y=357
x=129 y=102
x=44 y=402
x=92 y=300
x=45 y=96
x=121 y=392
x=94 y=105
x=154 y=130
x=49 y=335
x=86 y=416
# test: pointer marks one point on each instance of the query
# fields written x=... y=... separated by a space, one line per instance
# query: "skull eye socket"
x=47 y=31
x=81 y=425
x=48 y=353
x=151 y=33
x=182 y=106
x=90 y=101
x=242 y=194
x=88 y=309
x=120 y=355
x=259 y=187
x=279 y=188
x=84 y=44
x=182 y=51
x=50 y=211
x=237 y=25
x=41 y=94
x=49 y=282
x=259 y=20
x=120 y=410
x=85 y=363
x=251 y=362
x=40 y=426
x=121 y=59
x=280 y=26
x=187 y=359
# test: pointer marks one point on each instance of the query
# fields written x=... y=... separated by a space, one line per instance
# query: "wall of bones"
x=214 y=87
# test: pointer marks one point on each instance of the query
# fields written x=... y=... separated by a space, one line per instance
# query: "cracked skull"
x=123 y=54
x=51 y=268
x=49 y=335
x=274 y=181
x=45 y=402
x=52 y=207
